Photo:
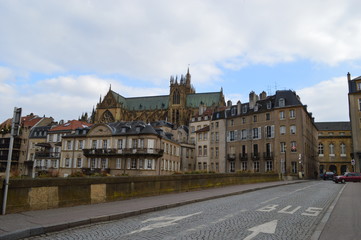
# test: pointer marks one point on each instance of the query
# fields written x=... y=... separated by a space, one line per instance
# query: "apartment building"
x=335 y=147
x=271 y=134
x=120 y=148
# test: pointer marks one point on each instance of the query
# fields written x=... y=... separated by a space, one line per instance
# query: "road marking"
x=163 y=221
x=284 y=210
x=269 y=227
x=269 y=200
x=268 y=208
x=312 y=211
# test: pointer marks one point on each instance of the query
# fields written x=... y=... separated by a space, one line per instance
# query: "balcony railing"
x=268 y=155
x=255 y=156
x=243 y=156
x=47 y=155
x=231 y=157
x=114 y=152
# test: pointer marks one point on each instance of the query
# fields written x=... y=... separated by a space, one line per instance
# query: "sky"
x=57 y=58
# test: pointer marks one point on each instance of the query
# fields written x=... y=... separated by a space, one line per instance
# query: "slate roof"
x=352 y=88
x=39 y=132
x=333 y=126
x=162 y=101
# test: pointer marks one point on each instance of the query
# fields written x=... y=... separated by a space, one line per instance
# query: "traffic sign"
x=353 y=161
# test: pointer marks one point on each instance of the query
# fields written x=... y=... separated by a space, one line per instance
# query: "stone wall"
x=35 y=194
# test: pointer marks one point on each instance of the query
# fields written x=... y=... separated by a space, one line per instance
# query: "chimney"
x=263 y=95
x=253 y=98
x=229 y=103
x=239 y=107
x=348 y=76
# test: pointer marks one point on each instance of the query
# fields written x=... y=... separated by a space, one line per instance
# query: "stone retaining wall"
x=36 y=194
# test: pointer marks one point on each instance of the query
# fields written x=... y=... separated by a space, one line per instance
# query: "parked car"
x=348 y=177
x=328 y=175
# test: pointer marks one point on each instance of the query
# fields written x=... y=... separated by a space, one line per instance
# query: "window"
x=244 y=166
x=243 y=120
x=217 y=152
x=205 y=136
x=293 y=129
x=255 y=118
x=105 y=144
x=256 y=166
x=269 y=131
x=283 y=147
x=343 y=150
x=282 y=115
x=269 y=166
x=140 y=163
x=205 y=152
x=255 y=133
x=217 y=136
x=199 y=151
x=359 y=104
x=120 y=144
x=68 y=145
x=199 y=136
x=80 y=144
x=104 y=163
x=204 y=166
x=358 y=86
x=283 y=130
x=212 y=137
x=269 y=105
x=293 y=146
x=67 y=162
x=93 y=163
x=281 y=102
x=217 y=124
x=149 y=163
x=231 y=136
x=232 y=122
x=332 y=149
x=79 y=163
x=232 y=166
x=94 y=144
x=268 y=116
x=133 y=164
x=233 y=111
x=244 y=133
x=193 y=129
x=244 y=109
x=294 y=167
x=118 y=163
x=320 y=149
x=292 y=113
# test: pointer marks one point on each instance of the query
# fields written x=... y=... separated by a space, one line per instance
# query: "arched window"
x=176 y=97
x=343 y=150
x=332 y=149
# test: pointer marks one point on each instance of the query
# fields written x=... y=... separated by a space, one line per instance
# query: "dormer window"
x=256 y=108
x=269 y=105
x=359 y=86
x=244 y=109
x=233 y=111
x=137 y=129
x=124 y=130
x=281 y=102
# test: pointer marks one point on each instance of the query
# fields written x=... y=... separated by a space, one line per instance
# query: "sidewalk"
x=32 y=223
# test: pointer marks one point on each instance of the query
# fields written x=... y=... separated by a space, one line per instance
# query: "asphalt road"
x=285 y=212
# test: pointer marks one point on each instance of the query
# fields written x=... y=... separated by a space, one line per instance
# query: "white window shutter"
x=259 y=133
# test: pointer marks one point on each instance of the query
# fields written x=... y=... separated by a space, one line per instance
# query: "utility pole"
x=15 y=127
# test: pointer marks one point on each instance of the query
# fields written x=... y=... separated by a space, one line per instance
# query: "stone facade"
x=177 y=107
x=354 y=101
x=334 y=147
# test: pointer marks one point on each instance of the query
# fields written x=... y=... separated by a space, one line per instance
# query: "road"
x=285 y=212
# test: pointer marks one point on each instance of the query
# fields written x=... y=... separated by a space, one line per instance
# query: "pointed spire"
x=100 y=99
x=221 y=89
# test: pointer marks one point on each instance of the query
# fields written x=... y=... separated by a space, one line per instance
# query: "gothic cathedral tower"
x=178 y=112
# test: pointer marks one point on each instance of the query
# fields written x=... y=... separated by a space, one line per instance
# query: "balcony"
x=125 y=152
x=255 y=156
x=41 y=154
x=231 y=157
x=268 y=156
x=243 y=156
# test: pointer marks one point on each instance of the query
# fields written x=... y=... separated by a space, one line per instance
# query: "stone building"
x=177 y=107
x=271 y=134
x=20 y=163
x=334 y=147
x=120 y=148
x=354 y=101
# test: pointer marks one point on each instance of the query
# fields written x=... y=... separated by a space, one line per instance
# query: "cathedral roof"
x=208 y=99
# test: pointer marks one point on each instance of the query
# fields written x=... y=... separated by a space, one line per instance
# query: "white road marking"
x=269 y=227
x=284 y=210
x=163 y=221
x=269 y=200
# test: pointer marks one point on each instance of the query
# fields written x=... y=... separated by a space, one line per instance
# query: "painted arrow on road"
x=268 y=227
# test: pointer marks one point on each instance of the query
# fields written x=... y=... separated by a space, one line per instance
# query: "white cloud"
x=327 y=100
x=151 y=40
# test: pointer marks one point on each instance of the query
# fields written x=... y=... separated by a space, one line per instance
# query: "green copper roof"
x=142 y=103
x=208 y=99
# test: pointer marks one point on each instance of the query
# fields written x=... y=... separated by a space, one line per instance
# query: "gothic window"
x=107 y=117
x=176 y=97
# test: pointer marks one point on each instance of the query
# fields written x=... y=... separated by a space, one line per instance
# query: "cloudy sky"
x=58 y=57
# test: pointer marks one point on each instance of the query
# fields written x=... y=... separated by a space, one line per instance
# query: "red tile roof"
x=26 y=121
x=70 y=125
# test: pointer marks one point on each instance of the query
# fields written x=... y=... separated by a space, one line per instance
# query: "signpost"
x=15 y=128
x=353 y=162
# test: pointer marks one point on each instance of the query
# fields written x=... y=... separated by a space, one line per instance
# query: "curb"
x=35 y=231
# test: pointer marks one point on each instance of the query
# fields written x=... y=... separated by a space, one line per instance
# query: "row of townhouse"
x=267 y=134
x=118 y=148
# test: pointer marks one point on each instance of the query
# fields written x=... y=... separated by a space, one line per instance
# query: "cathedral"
x=177 y=107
